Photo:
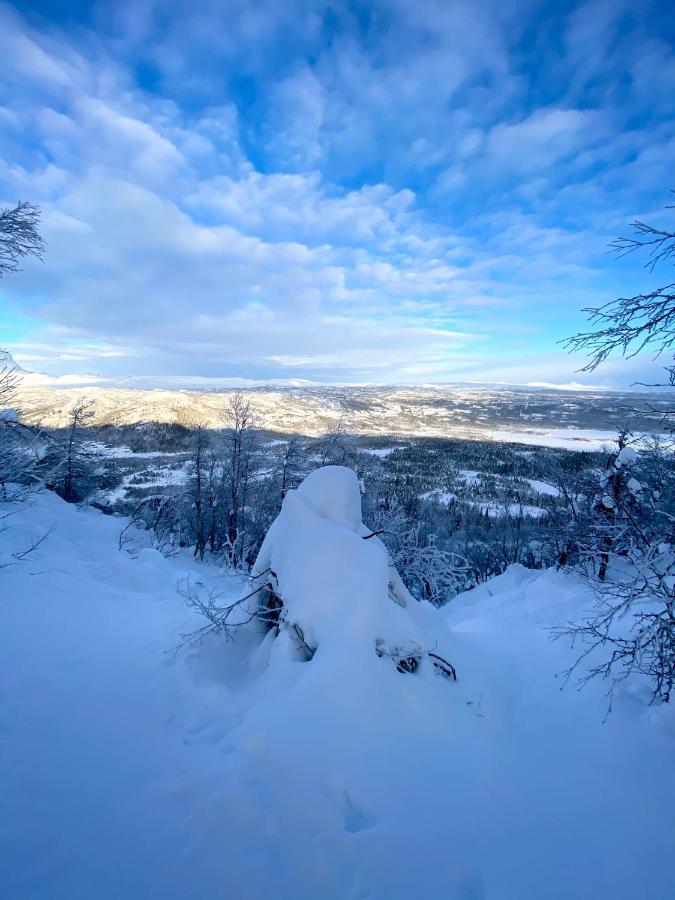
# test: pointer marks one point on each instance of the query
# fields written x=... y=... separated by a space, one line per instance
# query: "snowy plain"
x=129 y=771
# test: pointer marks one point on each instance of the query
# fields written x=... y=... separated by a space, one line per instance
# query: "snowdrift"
x=241 y=771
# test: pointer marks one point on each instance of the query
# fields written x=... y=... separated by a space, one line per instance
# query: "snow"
x=634 y=486
x=438 y=495
x=235 y=770
x=100 y=449
x=333 y=493
x=626 y=457
x=495 y=510
x=339 y=587
x=542 y=487
x=470 y=476
x=563 y=438
x=382 y=452
x=165 y=476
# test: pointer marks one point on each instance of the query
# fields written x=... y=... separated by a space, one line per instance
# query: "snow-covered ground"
x=98 y=448
x=563 y=438
x=128 y=772
x=445 y=498
x=163 y=477
x=543 y=487
x=382 y=452
x=496 y=510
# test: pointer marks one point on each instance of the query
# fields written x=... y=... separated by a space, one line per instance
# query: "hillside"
x=577 y=420
x=217 y=772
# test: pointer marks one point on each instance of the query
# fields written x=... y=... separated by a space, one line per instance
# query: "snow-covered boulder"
x=335 y=590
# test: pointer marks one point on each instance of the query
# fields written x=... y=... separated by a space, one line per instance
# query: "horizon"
x=335 y=193
x=215 y=383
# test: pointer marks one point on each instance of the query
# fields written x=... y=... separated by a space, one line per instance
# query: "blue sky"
x=336 y=191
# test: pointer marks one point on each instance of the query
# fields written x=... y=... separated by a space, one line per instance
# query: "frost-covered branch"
x=632 y=629
x=219 y=614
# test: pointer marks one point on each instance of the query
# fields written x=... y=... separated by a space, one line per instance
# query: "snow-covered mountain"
x=538 y=416
x=8 y=363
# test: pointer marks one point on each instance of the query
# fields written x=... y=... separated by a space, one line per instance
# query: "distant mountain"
x=538 y=415
x=7 y=361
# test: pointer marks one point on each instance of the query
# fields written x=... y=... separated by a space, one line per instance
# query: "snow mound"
x=334 y=493
x=341 y=595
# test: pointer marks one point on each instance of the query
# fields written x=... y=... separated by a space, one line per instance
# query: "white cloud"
x=543 y=138
x=295 y=120
x=295 y=228
x=130 y=142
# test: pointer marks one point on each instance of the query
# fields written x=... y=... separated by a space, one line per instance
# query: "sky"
x=382 y=192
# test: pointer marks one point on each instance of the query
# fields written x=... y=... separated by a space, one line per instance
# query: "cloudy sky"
x=337 y=191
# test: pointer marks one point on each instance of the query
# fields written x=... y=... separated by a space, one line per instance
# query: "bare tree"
x=19 y=236
x=634 y=621
x=160 y=517
x=643 y=592
x=634 y=617
x=334 y=448
x=196 y=493
x=21 y=447
x=9 y=381
x=218 y=494
x=287 y=464
x=73 y=464
x=632 y=324
x=569 y=514
x=428 y=572
x=241 y=437
x=613 y=502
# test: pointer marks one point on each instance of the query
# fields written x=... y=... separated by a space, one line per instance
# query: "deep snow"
x=233 y=771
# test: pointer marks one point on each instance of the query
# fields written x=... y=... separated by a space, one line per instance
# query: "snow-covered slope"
x=127 y=772
x=8 y=363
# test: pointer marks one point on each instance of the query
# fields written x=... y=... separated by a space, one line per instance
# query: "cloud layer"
x=383 y=192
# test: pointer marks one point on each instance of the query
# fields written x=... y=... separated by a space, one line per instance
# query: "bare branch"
x=19 y=236
x=632 y=324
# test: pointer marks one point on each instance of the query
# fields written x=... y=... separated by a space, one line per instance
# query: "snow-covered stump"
x=329 y=590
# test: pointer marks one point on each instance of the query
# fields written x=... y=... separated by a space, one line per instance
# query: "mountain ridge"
x=526 y=415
